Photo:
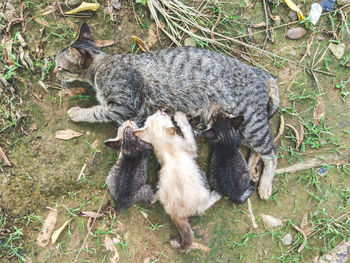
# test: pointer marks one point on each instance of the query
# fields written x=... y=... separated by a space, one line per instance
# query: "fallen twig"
x=315 y=162
x=214 y=26
x=252 y=217
x=81 y=172
x=304 y=235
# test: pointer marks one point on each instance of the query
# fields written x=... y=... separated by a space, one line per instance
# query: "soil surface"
x=45 y=170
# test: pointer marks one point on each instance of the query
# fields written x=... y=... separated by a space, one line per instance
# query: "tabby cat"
x=229 y=173
x=126 y=180
x=187 y=79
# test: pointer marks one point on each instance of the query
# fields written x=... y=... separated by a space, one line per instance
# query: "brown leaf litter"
x=48 y=226
x=67 y=134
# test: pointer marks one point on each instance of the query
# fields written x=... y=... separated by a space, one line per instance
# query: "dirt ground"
x=44 y=170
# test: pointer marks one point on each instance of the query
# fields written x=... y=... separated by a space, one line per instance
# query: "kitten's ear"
x=85 y=33
x=113 y=143
x=77 y=57
x=171 y=131
x=237 y=121
x=146 y=145
x=209 y=134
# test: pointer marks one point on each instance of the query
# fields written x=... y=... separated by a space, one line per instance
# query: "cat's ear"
x=77 y=57
x=209 y=134
x=171 y=131
x=140 y=133
x=237 y=121
x=113 y=143
x=85 y=33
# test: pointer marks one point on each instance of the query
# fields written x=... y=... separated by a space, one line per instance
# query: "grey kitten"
x=126 y=180
x=229 y=173
x=191 y=80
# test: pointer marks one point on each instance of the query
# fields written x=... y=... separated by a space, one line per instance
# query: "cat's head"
x=157 y=126
x=224 y=130
x=127 y=142
x=73 y=61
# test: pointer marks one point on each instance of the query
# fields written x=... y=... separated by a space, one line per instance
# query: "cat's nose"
x=55 y=70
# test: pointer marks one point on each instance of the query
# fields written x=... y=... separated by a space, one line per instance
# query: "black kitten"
x=127 y=178
x=229 y=173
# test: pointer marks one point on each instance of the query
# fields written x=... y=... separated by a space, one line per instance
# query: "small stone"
x=296 y=33
x=293 y=15
x=320 y=38
x=74 y=2
x=117 y=4
x=343 y=2
x=190 y=42
x=293 y=52
x=338 y=50
x=287 y=239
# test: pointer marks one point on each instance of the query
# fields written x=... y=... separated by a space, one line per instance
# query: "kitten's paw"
x=74 y=114
x=265 y=188
x=180 y=118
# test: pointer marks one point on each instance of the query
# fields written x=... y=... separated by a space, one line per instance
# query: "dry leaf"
x=89 y=214
x=84 y=7
x=141 y=43
x=104 y=43
x=67 y=134
x=4 y=157
x=94 y=145
x=306 y=226
x=48 y=226
x=110 y=245
x=71 y=91
x=58 y=232
x=196 y=245
x=319 y=111
x=153 y=35
x=304 y=235
x=41 y=21
x=271 y=220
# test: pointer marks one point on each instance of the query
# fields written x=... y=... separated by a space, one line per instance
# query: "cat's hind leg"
x=258 y=135
x=145 y=193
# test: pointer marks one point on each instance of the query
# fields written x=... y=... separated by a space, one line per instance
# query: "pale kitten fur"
x=182 y=188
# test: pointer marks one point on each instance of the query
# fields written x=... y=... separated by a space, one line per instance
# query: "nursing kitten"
x=229 y=173
x=126 y=180
x=187 y=79
x=182 y=188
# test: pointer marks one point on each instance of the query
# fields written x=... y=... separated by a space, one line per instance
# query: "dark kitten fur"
x=191 y=80
x=127 y=178
x=229 y=173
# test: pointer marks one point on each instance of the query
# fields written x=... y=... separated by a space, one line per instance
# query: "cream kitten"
x=182 y=189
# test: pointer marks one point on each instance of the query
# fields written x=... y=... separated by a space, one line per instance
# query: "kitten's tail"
x=185 y=232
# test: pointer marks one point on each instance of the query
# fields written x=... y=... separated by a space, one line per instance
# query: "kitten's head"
x=158 y=125
x=73 y=61
x=224 y=130
x=127 y=142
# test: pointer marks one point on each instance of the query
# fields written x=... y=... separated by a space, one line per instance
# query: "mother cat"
x=191 y=80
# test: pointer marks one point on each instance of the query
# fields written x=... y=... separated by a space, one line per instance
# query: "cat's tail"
x=274 y=99
x=185 y=232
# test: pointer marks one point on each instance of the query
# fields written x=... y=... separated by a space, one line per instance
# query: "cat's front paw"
x=180 y=118
x=75 y=114
x=265 y=188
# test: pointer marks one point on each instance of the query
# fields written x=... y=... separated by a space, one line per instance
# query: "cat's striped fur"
x=191 y=80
